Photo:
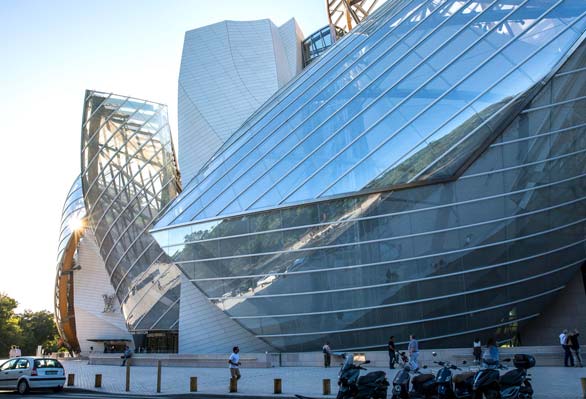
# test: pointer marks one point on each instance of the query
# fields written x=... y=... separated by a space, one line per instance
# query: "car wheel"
x=58 y=389
x=22 y=387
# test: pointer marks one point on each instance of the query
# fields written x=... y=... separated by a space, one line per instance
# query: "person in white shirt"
x=564 y=342
x=234 y=362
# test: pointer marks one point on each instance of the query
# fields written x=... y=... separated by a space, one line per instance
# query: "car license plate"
x=50 y=372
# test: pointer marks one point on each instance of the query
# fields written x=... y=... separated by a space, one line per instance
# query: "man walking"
x=327 y=351
x=413 y=349
x=392 y=352
x=565 y=343
x=234 y=362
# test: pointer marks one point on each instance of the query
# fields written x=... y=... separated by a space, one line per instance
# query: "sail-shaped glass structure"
x=425 y=175
x=129 y=174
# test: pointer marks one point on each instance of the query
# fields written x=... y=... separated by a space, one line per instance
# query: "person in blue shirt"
x=413 y=350
x=491 y=354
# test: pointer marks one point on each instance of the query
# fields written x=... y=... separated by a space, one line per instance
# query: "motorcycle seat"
x=421 y=378
x=459 y=378
x=511 y=378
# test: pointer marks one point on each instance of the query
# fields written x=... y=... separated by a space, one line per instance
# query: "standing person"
x=564 y=342
x=392 y=352
x=327 y=351
x=413 y=349
x=477 y=350
x=234 y=361
x=126 y=355
x=492 y=352
x=575 y=347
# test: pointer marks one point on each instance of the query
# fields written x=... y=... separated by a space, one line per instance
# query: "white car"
x=28 y=372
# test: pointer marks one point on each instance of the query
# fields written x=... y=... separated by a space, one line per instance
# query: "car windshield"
x=47 y=363
x=8 y=365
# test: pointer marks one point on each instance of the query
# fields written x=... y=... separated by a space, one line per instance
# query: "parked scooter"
x=423 y=386
x=515 y=384
x=401 y=381
x=373 y=385
x=486 y=380
x=443 y=379
x=463 y=383
x=353 y=386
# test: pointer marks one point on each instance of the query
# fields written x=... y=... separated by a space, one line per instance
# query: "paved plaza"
x=549 y=382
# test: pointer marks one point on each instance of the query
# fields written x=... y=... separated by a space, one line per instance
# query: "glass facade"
x=129 y=174
x=426 y=175
x=316 y=44
x=403 y=99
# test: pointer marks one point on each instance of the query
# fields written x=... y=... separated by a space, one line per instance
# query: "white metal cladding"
x=228 y=70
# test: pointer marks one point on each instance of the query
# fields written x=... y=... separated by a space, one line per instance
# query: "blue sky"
x=50 y=53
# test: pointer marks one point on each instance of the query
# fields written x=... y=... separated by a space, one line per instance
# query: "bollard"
x=278 y=386
x=326 y=386
x=127 y=377
x=70 y=380
x=193 y=384
x=98 y=381
x=583 y=381
x=158 y=376
x=233 y=385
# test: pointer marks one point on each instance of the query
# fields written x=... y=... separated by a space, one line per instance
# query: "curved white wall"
x=90 y=283
x=228 y=70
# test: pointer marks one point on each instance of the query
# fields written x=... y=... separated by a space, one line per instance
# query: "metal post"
x=98 y=381
x=278 y=386
x=193 y=384
x=70 y=380
x=326 y=386
x=127 y=377
x=158 y=376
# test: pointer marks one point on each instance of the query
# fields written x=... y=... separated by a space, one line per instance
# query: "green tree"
x=37 y=328
x=9 y=326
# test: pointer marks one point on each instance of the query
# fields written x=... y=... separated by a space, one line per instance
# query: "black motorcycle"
x=515 y=384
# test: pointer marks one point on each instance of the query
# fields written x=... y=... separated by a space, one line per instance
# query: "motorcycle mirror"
x=366 y=362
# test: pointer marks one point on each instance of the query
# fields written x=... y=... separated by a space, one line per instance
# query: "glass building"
x=128 y=175
x=425 y=175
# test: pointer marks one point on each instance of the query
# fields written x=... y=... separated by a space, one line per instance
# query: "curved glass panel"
x=129 y=174
x=72 y=224
x=410 y=96
x=499 y=241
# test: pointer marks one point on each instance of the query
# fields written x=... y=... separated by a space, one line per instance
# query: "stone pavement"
x=549 y=382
